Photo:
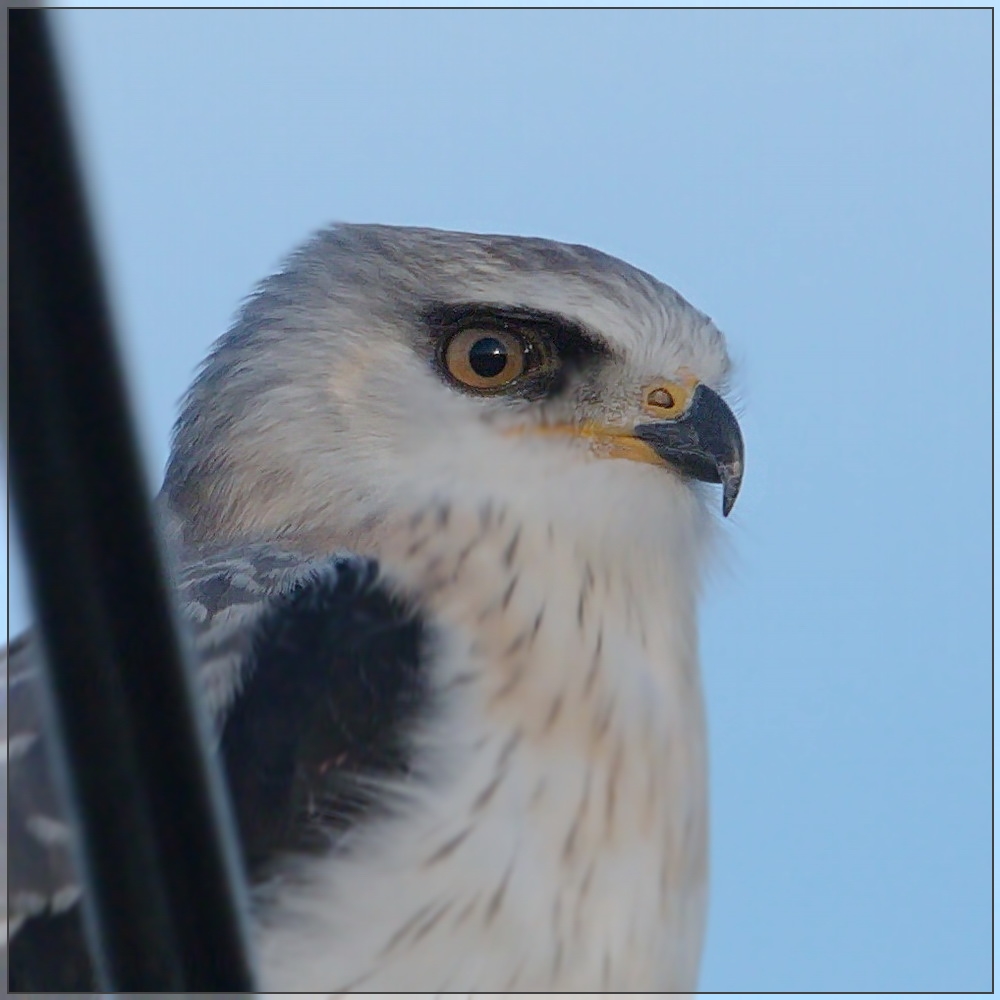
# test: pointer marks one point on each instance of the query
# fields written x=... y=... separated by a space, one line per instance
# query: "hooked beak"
x=704 y=442
x=696 y=434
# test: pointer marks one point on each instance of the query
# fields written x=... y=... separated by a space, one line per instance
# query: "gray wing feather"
x=220 y=596
x=38 y=866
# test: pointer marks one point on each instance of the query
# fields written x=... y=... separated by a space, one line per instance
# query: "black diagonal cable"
x=163 y=897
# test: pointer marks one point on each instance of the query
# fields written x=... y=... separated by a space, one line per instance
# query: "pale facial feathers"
x=322 y=405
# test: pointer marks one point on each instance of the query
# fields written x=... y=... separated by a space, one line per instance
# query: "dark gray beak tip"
x=731 y=478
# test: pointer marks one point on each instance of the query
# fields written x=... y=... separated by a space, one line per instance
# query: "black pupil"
x=488 y=357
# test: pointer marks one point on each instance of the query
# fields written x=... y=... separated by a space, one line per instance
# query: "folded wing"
x=312 y=674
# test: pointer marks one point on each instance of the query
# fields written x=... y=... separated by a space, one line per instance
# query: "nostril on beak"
x=660 y=398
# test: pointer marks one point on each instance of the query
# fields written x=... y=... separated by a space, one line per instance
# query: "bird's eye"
x=489 y=360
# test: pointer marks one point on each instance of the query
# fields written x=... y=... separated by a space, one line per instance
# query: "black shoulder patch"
x=331 y=693
x=333 y=689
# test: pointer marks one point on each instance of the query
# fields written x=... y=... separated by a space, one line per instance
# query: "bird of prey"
x=439 y=505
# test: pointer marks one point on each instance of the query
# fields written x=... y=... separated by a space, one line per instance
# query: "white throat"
x=561 y=842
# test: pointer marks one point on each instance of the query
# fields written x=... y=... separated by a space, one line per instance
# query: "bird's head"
x=385 y=369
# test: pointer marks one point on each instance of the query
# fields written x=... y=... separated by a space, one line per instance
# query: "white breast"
x=560 y=842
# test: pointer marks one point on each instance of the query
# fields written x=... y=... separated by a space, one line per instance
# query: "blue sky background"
x=817 y=181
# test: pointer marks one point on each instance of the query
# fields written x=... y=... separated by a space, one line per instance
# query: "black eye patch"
x=569 y=345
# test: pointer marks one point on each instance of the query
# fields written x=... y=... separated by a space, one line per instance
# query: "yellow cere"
x=669 y=400
x=662 y=400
